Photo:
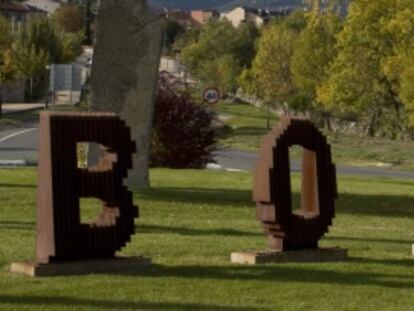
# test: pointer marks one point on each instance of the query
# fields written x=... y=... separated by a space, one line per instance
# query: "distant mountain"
x=222 y=5
x=264 y=4
x=226 y=5
x=188 y=4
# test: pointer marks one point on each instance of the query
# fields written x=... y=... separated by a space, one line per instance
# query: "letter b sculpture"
x=60 y=234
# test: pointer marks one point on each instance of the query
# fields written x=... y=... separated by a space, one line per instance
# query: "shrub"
x=183 y=136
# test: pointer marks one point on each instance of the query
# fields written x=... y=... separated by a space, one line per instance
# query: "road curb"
x=16 y=163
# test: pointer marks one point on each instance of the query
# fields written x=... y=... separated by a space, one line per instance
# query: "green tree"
x=172 y=30
x=314 y=51
x=70 y=18
x=223 y=70
x=71 y=46
x=270 y=76
x=36 y=46
x=399 y=67
x=185 y=39
x=7 y=67
x=5 y=34
x=357 y=84
x=220 y=44
x=247 y=35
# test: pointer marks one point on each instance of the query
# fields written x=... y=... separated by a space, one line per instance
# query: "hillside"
x=188 y=4
x=222 y=4
x=268 y=4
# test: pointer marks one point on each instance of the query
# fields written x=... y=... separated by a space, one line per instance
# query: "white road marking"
x=17 y=133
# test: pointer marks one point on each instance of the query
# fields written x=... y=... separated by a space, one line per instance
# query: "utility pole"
x=88 y=21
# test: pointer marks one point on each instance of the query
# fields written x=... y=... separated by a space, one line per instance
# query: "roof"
x=263 y=12
x=7 y=5
x=34 y=9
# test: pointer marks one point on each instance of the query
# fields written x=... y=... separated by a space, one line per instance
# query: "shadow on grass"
x=375 y=205
x=143 y=228
x=226 y=197
x=17 y=186
x=376 y=240
x=111 y=304
x=397 y=262
x=355 y=204
x=18 y=225
x=277 y=273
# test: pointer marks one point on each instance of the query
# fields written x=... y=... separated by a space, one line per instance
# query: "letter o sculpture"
x=288 y=230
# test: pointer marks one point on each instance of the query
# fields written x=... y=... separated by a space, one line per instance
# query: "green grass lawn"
x=246 y=124
x=190 y=223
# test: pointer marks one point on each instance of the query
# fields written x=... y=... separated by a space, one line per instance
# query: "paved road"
x=242 y=160
x=21 y=144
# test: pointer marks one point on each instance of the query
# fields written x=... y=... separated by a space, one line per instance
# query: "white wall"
x=237 y=16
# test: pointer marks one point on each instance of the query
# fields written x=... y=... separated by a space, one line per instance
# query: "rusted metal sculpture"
x=287 y=230
x=60 y=234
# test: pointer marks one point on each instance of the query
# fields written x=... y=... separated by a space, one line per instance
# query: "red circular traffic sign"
x=211 y=95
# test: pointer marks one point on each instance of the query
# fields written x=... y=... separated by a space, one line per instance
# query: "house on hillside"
x=18 y=13
x=258 y=17
x=203 y=16
x=14 y=11
x=49 y=6
x=182 y=17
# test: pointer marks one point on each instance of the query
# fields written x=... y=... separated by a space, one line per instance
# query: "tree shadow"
x=225 y=197
x=375 y=205
x=387 y=180
x=3 y=185
x=376 y=240
x=355 y=204
x=112 y=304
x=144 y=228
x=397 y=262
x=18 y=225
x=277 y=273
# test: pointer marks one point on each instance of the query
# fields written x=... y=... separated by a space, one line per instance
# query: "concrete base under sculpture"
x=309 y=255
x=80 y=267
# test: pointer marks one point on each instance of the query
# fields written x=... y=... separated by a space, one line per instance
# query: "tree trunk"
x=125 y=73
x=328 y=124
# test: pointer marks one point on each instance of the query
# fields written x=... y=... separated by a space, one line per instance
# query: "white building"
x=50 y=6
x=258 y=17
x=172 y=65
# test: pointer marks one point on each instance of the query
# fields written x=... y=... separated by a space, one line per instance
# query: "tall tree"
x=220 y=45
x=399 y=67
x=357 y=84
x=5 y=34
x=7 y=67
x=172 y=30
x=36 y=46
x=314 y=50
x=70 y=18
x=270 y=76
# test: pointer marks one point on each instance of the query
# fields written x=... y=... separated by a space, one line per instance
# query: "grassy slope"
x=192 y=220
x=247 y=124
